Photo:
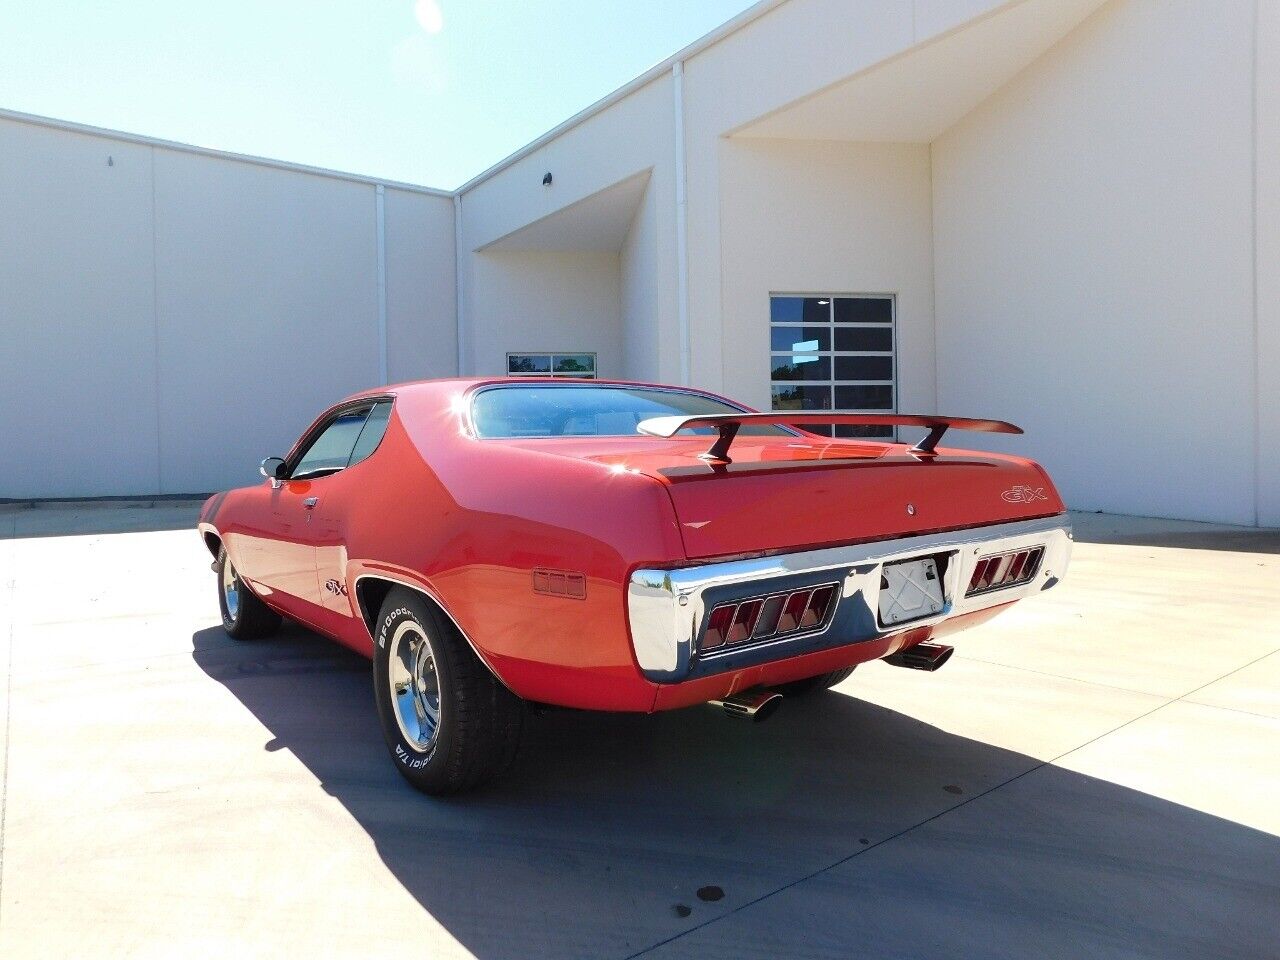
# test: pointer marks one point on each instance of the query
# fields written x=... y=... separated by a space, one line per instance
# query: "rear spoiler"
x=728 y=424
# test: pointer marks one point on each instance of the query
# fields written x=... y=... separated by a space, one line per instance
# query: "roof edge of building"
x=70 y=126
x=731 y=26
x=751 y=14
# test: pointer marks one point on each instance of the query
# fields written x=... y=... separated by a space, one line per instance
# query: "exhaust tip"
x=754 y=705
x=923 y=656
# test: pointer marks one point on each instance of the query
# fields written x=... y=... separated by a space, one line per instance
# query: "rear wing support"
x=728 y=425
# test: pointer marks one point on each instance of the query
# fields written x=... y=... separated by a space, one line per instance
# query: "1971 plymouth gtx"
x=618 y=546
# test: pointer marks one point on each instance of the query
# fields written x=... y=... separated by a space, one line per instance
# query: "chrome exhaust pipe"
x=923 y=656
x=754 y=705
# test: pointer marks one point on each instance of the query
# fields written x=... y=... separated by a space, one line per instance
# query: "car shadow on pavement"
x=615 y=833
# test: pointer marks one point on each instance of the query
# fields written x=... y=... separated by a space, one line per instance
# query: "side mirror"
x=273 y=468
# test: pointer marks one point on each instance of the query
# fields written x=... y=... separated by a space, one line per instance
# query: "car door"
x=329 y=514
x=286 y=561
x=271 y=546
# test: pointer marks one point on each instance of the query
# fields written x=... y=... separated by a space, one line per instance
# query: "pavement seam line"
x=1185 y=697
x=942 y=813
x=1062 y=676
x=1110 y=686
x=1218 y=706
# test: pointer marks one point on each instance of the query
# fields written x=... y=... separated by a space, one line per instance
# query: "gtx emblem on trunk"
x=1024 y=494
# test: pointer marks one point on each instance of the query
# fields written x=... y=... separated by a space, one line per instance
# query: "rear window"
x=581 y=410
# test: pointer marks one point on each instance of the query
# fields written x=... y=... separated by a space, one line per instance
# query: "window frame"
x=322 y=423
x=551 y=374
x=832 y=382
x=386 y=425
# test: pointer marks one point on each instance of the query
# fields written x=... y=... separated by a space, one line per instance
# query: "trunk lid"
x=745 y=508
x=796 y=493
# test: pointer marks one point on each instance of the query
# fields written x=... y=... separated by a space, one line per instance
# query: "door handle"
x=310 y=502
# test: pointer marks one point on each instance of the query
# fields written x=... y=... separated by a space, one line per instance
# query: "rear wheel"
x=823 y=681
x=448 y=722
x=244 y=616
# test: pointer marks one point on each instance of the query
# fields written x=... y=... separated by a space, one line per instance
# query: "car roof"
x=467 y=383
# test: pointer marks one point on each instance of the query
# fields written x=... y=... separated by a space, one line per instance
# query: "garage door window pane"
x=799 y=339
x=863 y=339
x=863 y=433
x=801 y=367
x=864 y=368
x=801 y=397
x=878 y=399
x=800 y=310
x=864 y=310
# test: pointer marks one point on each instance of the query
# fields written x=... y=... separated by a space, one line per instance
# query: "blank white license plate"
x=910 y=590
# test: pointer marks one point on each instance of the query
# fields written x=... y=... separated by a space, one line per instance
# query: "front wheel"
x=244 y=616
x=448 y=722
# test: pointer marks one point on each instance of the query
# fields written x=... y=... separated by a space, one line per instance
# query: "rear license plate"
x=909 y=590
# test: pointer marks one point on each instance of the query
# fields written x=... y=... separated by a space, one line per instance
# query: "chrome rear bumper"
x=668 y=609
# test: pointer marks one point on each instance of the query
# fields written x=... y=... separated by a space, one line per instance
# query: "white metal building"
x=1065 y=213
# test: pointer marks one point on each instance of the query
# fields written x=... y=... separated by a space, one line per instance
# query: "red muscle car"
x=618 y=546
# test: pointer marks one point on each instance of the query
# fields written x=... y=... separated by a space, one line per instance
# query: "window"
x=582 y=410
x=347 y=439
x=374 y=427
x=834 y=353
x=581 y=366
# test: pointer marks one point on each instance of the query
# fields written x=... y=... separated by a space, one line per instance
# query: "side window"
x=331 y=451
x=374 y=427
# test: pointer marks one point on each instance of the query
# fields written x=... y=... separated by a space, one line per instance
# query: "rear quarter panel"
x=472 y=519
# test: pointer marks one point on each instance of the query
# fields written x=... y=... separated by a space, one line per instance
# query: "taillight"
x=1004 y=570
x=792 y=611
x=744 y=620
x=718 y=626
x=816 y=609
x=767 y=622
x=759 y=618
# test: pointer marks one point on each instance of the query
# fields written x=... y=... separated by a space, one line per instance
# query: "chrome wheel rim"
x=415 y=686
x=230 y=589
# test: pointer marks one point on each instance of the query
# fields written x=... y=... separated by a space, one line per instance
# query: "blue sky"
x=426 y=91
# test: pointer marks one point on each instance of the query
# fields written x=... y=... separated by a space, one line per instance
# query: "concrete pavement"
x=1094 y=774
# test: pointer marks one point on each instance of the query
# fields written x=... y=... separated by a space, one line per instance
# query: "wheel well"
x=214 y=543
x=371 y=592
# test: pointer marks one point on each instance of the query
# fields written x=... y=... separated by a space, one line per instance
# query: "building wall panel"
x=77 y=324
x=422 y=323
x=1094 y=261
x=635 y=135
x=825 y=217
x=170 y=316
x=544 y=302
x=640 y=278
x=267 y=311
x=1267 y=261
